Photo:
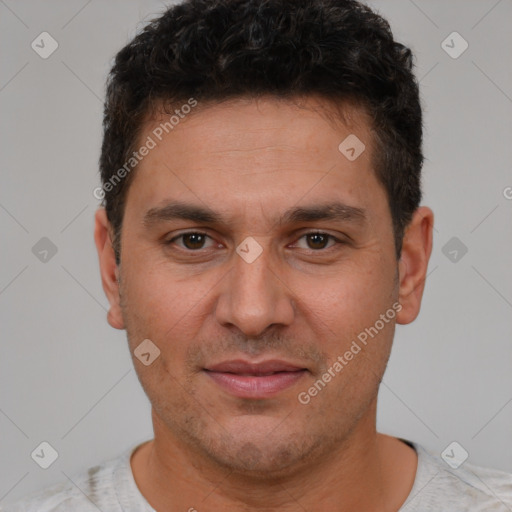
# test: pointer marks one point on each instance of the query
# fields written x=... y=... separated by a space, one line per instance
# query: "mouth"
x=255 y=380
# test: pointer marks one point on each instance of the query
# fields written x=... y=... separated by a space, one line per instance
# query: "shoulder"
x=56 y=498
x=466 y=487
x=83 y=492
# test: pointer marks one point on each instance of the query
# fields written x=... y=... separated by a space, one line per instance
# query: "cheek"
x=168 y=310
x=349 y=300
x=157 y=295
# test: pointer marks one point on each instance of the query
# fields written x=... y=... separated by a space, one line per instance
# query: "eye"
x=193 y=240
x=196 y=240
x=317 y=240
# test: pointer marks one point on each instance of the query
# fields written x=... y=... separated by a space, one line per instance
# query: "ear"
x=108 y=267
x=413 y=263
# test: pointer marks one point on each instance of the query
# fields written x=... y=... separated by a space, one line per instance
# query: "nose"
x=254 y=296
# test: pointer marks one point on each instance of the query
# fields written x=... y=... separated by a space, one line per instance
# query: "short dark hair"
x=214 y=50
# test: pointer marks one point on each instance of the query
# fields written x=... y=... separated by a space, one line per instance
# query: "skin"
x=301 y=301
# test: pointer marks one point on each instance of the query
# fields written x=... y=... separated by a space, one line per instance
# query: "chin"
x=261 y=453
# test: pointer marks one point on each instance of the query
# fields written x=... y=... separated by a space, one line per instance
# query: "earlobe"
x=413 y=263
x=108 y=268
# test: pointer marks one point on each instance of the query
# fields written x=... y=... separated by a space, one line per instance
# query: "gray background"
x=66 y=377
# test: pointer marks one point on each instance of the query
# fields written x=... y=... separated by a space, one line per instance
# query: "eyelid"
x=337 y=240
x=192 y=232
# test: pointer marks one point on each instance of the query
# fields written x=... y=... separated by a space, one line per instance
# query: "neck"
x=368 y=471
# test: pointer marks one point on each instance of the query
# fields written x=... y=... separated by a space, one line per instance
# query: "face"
x=255 y=255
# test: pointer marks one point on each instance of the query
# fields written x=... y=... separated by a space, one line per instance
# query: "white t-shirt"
x=110 y=487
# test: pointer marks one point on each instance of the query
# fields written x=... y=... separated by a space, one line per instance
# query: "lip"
x=240 y=366
x=255 y=380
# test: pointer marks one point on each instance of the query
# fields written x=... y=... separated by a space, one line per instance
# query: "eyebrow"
x=336 y=211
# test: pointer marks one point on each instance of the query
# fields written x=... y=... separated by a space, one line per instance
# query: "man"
x=261 y=236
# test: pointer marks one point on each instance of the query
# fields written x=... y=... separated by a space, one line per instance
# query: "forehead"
x=265 y=152
x=244 y=122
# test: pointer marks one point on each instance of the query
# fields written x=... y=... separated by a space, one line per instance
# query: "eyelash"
x=329 y=236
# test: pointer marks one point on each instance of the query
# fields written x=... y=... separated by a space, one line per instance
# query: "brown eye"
x=317 y=240
x=191 y=241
